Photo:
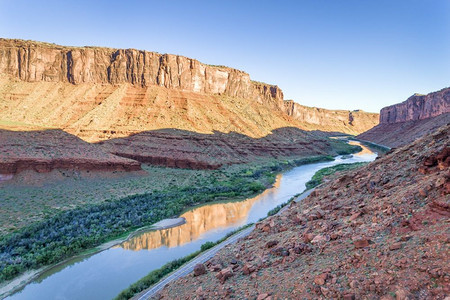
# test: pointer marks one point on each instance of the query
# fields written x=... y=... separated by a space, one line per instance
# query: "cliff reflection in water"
x=199 y=221
x=364 y=151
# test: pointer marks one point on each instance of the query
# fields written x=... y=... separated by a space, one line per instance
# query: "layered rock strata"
x=129 y=98
x=35 y=62
x=417 y=107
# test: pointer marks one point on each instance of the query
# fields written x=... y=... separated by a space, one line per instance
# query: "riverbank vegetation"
x=71 y=232
x=374 y=146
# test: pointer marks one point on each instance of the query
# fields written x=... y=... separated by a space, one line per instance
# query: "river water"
x=105 y=274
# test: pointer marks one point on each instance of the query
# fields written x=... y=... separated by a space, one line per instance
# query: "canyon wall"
x=417 y=107
x=351 y=122
x=132 y=100
x=36 y=61
x=101 y=93
x=403 y=123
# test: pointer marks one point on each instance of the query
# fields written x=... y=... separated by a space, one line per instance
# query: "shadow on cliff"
x=187 y=149
x=45 y=150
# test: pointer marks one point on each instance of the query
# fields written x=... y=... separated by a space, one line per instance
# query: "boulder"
x=199 y=269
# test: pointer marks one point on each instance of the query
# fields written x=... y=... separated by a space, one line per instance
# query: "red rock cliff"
x=417 y=107
x=35 y=61
x=403 y=123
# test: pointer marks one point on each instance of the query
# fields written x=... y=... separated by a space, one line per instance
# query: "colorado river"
x=105 y=274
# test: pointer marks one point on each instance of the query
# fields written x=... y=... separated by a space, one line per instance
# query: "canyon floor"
x=378 y=232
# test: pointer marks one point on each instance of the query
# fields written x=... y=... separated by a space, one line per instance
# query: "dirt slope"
x=378 y=232
x=101 y=111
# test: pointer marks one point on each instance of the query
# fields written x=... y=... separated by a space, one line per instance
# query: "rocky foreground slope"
x=313 y=118
x=402 y=123
x=378 y=232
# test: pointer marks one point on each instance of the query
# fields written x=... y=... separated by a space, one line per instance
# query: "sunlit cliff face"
x=198 y=221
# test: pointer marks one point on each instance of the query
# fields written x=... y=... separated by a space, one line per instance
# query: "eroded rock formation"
x=102 y=93
x=402 y=123
x=184 y=149
x=130 y=98
x=417 y=107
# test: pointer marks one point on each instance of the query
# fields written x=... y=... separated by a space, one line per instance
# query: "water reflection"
x=365 y=150
x=199 y=221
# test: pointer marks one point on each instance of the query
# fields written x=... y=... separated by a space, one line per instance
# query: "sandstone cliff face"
x=351 y=122
x=417 y=107
x=403 y=123
x=34 y=61
x=101 y=93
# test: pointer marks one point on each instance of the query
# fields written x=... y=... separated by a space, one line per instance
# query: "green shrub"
x=207 y=246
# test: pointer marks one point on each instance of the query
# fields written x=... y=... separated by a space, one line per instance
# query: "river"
x=105 y=274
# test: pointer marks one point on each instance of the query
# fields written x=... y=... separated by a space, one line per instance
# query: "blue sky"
x=337 y=54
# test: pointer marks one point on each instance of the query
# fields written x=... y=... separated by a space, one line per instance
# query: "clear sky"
x=337 y=54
